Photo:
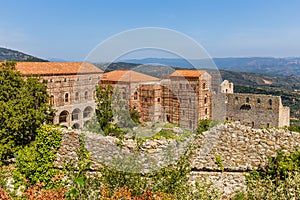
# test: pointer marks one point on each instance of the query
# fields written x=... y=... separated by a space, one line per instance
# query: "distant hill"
x=262 y=65
x=13 y=55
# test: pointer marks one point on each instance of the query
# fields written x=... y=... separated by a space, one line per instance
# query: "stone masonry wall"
x=239 y=147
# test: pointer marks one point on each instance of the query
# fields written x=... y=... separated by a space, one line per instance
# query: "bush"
x=35 y=163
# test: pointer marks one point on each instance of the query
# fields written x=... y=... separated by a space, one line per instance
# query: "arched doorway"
x=63 y=117
x=87 y=112
x=75 y=114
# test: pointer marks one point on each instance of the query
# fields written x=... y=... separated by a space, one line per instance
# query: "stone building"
x=71 y=86
x=255 y=110
x=182 y=98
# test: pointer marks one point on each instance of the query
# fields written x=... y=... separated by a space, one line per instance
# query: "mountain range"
x=262 y=65
x=9 y=54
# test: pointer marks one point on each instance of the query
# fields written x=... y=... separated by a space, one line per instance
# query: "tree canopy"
x=23 y=109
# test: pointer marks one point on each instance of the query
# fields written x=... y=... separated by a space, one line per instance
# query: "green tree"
x=23 y=109
x=104 y=110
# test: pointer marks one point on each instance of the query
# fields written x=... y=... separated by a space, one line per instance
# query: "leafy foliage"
x=23 y=109
x=280 y=179
x=35 y=163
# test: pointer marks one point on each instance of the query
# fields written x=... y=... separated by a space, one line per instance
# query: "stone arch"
x=245 y=107
x=75 y=114
x=87 y=112
x=64 y=117
x=76 y=126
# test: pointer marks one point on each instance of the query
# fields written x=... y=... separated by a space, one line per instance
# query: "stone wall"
x=240 y=149
x=257 y=110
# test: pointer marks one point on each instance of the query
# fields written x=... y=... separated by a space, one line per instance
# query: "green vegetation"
x=279 y=180
x=23 y=109
x=35 y=162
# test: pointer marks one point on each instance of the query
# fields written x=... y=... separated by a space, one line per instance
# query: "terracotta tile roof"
x=187 y=73
x=56 y=68
x=127 y=76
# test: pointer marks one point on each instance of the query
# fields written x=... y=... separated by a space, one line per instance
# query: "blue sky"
x=71 y=29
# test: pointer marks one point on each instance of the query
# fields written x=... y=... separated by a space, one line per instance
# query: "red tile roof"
x=187 y=73
x=127 y=76
x=56 y=68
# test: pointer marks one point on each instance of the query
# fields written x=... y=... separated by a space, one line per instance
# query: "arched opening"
x=87 y=112
x=252 y=124
x=67 y=97
x=158 y=99
x=205 y=99
x=245 y=107
x=76 y=126
x=270 y=102
x=86 y=95
x=52 y=100
x=75 y=114
x=205 y=111
x=203 y=86
x=63 y=116
x=258 y=100
x=135 y=96
x=247 y=100
x=76 y=96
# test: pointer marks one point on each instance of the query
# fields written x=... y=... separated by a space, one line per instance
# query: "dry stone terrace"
x=240 y=148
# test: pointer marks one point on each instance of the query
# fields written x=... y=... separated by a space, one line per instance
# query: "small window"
x=76 y=96
x=86 y=95
x=52 y=100
x=135 y=96
x=205 y=111
x=67 y=97
x=258 y=100
x=203 y=85
x=236 y=99
x=252 y=124
x=51 y=80
x=247 y=100
x=90 y=78
x=158 y=99
x=205 y=100
x=65 y=79
x=270 y=102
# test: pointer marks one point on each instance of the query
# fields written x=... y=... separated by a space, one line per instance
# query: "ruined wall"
x=239 y=147
x=256 y=110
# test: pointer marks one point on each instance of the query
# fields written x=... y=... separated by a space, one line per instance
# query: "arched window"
x=205 y=111
x=205 y=100
x=67 y=97
x=76 y=96
x=236 y=100
x=270 y=102
x=258 y=100
x=247 y=100
x=245 y=107
x=63 y=116
x=86 y=95
x=52 y=100
x=135 y=96
x=75 y=114
x=203 y=85
x=87 y=112
x=158 y=99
